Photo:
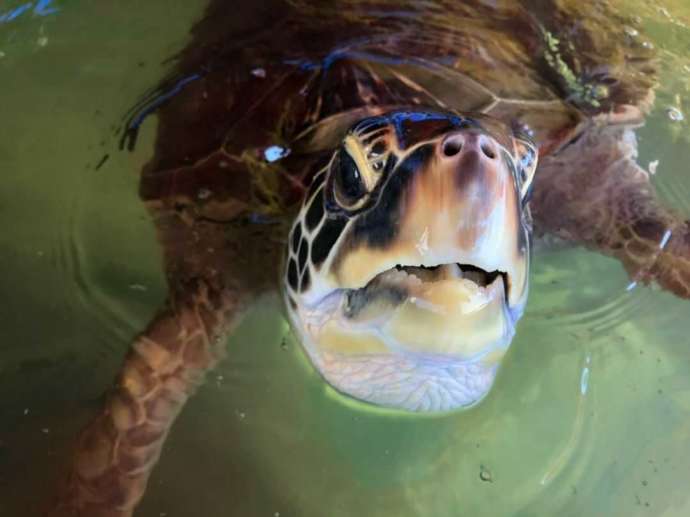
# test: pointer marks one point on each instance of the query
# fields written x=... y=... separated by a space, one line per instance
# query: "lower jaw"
x=406 y=382
x=413 y=359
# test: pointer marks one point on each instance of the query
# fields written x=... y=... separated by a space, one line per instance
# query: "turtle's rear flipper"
x=593 y=193
x=118 y=450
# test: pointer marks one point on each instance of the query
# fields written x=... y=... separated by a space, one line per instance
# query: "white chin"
x=407 y=382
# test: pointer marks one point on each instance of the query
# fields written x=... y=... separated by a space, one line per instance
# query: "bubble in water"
x=674 y=114
x=259 y=72
x=485 y=474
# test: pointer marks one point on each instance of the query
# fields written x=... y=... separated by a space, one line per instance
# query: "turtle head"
x=408 y=263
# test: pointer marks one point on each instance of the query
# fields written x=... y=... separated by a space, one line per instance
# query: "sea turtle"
x=377 y=162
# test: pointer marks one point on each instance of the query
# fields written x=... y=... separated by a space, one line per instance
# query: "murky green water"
x=590 y=414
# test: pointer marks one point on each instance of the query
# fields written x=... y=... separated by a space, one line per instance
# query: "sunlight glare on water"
x=589 y=415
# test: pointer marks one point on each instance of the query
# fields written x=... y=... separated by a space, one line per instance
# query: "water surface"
x=590 y=414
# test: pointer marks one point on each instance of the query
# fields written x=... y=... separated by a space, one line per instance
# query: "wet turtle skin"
x=296 y=77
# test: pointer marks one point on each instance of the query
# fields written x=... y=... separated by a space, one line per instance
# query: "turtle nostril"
x=452 y=147
x=488 y=151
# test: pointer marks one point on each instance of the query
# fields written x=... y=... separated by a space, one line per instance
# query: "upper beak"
x=462 y=206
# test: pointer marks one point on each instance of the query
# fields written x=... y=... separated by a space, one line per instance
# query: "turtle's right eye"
x=349 y=184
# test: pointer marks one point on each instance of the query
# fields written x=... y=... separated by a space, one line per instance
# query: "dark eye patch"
x=379 y=225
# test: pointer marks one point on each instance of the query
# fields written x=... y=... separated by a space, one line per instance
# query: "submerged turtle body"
x=257 y=125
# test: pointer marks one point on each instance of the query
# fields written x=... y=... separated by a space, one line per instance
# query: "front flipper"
x=119 y=448
x=592 y=192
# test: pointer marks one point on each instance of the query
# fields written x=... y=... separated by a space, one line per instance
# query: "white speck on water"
x=45 y=430
x=665 y=239
x=2 y=54
x=631 y=31
x=632 y=285
x=674 y=114
x=26 y=411
x=42 y=40
x=138 y=287
x=241 y=415
x=259 y=72
x=222 y=164
x=277 y=514
x=648 y=45
x=653 y=166
x=275 y=153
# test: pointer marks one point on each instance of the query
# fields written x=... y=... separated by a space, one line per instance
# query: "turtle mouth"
x=428 y=286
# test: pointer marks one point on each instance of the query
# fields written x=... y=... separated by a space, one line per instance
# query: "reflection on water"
x=589 y=414
x=40 y=8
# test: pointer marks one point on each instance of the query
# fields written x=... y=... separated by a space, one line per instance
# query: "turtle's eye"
x=349 y=185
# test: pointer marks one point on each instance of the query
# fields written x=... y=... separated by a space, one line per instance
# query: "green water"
x=590 y=414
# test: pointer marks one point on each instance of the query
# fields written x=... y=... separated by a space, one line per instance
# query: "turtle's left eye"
x=349 y=185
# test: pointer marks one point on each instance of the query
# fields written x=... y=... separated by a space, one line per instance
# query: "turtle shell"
x=290 y=86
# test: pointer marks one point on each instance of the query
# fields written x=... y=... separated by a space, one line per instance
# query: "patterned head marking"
x=417 y=214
